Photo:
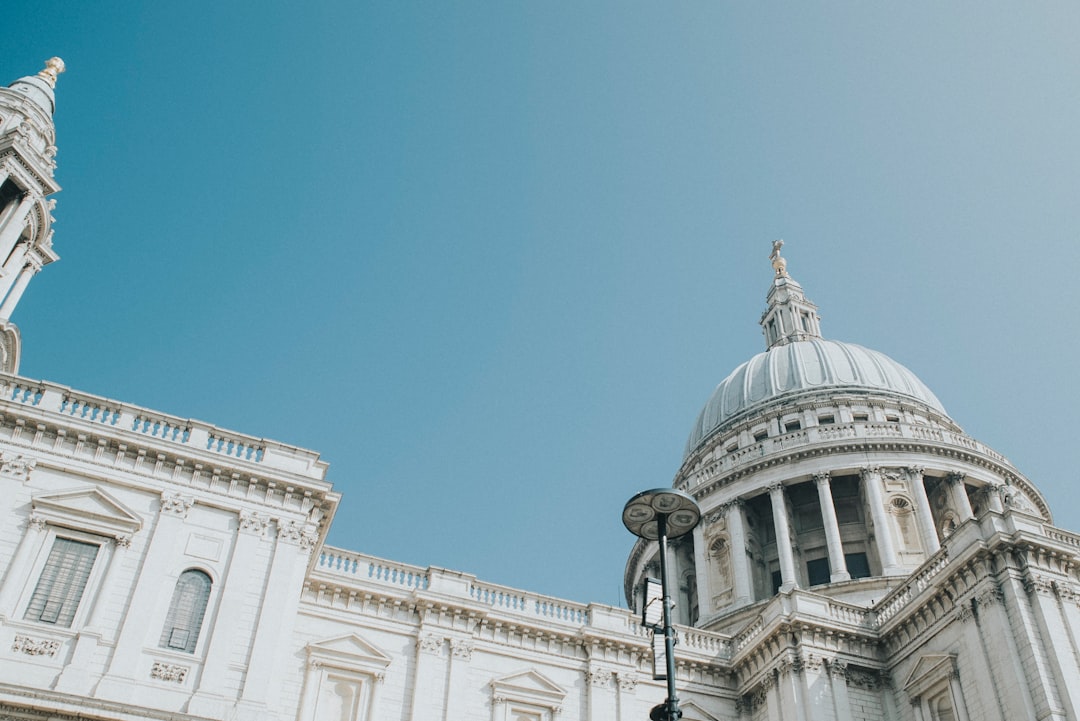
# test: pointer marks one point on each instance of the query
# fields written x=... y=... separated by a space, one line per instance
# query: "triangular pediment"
x=531 y=686
x=350 y=652
x=86 y=509
x=930 y=669
x=693 y=712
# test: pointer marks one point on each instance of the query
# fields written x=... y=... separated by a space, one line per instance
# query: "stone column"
x=601 y=696
x=456 y=688
x=13 y=227
x=959 y=707
x=701 y=572
x=783 y=538
x=883 y=533
x=277 y=616
x=223 y=630
x=923 y=515
x=743 y=582
x=838 y=684
x=959 y=496
x=13 y=268
x=425 y=691
x=837 y=565
x=993 y=498
x=15 y=294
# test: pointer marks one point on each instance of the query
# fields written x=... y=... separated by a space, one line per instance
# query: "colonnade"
x=873 y=485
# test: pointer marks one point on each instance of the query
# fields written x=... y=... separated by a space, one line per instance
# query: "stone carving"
x=430 y=643
x=838 y=669
x=253 y=522
x=16 y=467
x=598 y=677
x=35 y=646
x=1037 y=584
x=461 y=648
x=296 y=533
x=176 y=504
x=169 y=672
x=123 y=540
x=863 y=678
x=627 y=682
x=36 y=522
x=822 y=478
x=954 y=478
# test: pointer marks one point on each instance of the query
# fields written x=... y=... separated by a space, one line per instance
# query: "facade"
x=860 y=558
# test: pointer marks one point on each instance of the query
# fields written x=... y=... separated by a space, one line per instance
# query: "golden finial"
x=779 y=264
x=53 y=67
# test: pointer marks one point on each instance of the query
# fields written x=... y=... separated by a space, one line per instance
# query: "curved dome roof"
x=806 y=365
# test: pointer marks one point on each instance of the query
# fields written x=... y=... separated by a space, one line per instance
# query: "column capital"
x=822 y=478
x=174 y=504
x=870 y=471
x=775 y=488
x=915 y=472
x=955 y=478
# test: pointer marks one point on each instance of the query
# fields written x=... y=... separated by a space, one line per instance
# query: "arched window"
x=186 y=611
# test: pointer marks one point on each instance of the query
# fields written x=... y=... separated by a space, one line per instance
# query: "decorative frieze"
x=171 y=672
x=35 y=646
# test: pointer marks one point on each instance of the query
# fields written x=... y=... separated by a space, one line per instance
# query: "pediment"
x=86 y=509
x=530 y=686
x=693 y=712
x=348 y=652
x=929 y=670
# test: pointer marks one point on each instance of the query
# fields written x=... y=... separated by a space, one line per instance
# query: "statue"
x=779 y=264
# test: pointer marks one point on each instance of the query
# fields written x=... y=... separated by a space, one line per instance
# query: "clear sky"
x=490 y=259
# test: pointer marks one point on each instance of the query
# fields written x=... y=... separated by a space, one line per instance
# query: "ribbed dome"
x=803 y=366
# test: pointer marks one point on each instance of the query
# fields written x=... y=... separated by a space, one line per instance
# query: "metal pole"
x=673 y=713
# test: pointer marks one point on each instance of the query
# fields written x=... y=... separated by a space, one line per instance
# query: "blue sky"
x=490 y=259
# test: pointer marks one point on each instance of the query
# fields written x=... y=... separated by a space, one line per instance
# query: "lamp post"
x=658 y=515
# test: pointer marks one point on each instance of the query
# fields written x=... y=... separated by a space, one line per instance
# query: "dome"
x=808 y=365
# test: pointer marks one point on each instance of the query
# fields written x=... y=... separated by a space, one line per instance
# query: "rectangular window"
x=817 y=571
x=860 y=417
x=760 y=436
x=826 y=420
x=62 y=582
x=857 y=565
x=777 y=581
x=792 y=426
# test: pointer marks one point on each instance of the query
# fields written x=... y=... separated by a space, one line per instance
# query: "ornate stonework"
x=175 y=504
x=171 y=672
x=16 y=467
x=35 y=646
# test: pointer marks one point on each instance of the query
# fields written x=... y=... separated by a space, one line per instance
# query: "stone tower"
x=27 y=149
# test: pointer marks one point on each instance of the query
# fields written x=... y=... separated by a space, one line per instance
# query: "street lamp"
x=658 y=515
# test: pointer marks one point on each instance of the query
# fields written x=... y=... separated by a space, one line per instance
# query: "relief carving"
x=35 y=646
x=16 y=467
x=171 y=672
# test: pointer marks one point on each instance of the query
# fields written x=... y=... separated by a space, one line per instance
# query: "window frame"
x=200 y=637
x=88 y=598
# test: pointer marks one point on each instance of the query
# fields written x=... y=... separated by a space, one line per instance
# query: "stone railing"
x=522 y=603
x=723 y=462
x=370 y=569
x=72 y=408
x=349 y=571
x=895 y=601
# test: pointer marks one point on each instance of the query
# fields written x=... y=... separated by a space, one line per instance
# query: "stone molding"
x=253 y=522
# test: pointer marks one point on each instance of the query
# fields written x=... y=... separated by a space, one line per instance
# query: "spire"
x=53 y=67
x=790 y=317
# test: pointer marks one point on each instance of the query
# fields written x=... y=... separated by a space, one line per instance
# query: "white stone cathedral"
x=860 y=558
